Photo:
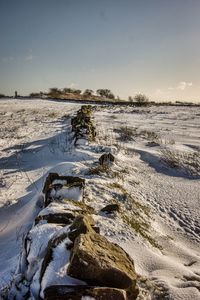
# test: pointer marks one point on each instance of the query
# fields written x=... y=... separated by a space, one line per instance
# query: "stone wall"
x=64 y=254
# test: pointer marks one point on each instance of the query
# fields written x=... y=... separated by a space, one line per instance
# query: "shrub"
x=141 y=98
x=125 y=133
x=88 y=93
x=130 y=99
x=105 y=93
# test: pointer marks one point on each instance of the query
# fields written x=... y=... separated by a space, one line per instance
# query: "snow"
x=55 y=207
x=172 y=195
x=73 y=193
x=58 y=181
x=56 y=271
x=37 y=243
x=35 y=140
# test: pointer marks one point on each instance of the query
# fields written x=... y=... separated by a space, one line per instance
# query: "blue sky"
x=129 y=46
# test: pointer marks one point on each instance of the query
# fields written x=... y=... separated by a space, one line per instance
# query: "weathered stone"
x=57 y=218
x=82 y=125
x=59 y=292
x=81 y=224
x=71 y=181
x=106 y=159
x=111 y=208
x=50 y=178
x=99 y=262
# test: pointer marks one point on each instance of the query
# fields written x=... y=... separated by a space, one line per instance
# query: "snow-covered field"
x=155 y=178
x=143 y=139
x=33 y=141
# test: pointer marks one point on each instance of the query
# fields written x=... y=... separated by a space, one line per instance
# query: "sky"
x=128 y=46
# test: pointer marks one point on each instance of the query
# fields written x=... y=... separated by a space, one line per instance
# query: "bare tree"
x=141 y=98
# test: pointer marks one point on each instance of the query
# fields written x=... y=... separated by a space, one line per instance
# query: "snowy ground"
x=172 y=193
x=33 y=142
x=155 y=178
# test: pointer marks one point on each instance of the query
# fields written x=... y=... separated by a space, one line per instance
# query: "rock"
x=106 y=159
x=59 y=292
x=99 y=262
x=82 y=125
x=71 y=181
x=56 y=218
x=111 y=208
x=50 y=178
x=55 y=182
x=81 y=224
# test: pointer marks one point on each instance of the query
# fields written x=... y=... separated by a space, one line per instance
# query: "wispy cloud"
x=7 y=59
x=29 y=57
x=182 y=85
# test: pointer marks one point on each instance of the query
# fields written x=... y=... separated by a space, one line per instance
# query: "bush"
x=125 y=133
x=105 y=93
x=141 y=98
x=130 y=99
x=88 y=93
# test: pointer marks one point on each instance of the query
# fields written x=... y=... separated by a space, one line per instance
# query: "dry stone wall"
x=82 y=125
x=64 y=254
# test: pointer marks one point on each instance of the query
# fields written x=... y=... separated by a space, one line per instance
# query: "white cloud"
x=181 y=86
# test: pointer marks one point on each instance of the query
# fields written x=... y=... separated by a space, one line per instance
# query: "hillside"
x=153 y=180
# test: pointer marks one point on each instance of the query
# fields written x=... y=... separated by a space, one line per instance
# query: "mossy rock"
x=57 y=218
x=81 y=225
x=71 y=181
x=99 y=262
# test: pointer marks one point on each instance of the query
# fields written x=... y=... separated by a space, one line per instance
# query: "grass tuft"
x=189 y=162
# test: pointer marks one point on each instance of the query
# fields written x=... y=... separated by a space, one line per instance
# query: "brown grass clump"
x=189 y=162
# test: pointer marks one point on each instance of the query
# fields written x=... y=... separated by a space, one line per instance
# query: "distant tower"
x=15 y=94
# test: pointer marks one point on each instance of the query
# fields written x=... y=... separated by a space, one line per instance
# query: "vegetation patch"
x=189 y=162
x=106 y=171
x=116 y=185
x=137 y=216
x=141 y=228
x=149 y=135
x=126 y=134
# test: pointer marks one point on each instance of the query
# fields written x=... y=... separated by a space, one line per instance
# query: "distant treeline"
x=88 y=94
x=71 y=93
x=100 y=95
